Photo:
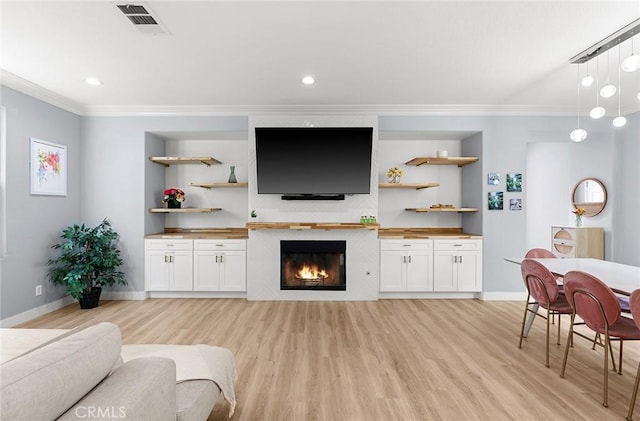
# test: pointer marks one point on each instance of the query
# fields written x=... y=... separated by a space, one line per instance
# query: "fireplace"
x=313 y=265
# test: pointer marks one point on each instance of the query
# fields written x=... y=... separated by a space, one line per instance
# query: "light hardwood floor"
x=384 y=360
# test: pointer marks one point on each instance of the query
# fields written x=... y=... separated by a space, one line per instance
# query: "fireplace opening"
x=313 y=265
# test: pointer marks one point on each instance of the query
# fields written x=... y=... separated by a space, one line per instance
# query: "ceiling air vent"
x=141 y=18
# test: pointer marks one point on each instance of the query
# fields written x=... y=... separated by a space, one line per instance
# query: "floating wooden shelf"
x=311 y=226
x=175 y=160
x=459 y=161
x=216 y=185
x=416 y=186
x=184 y=210
x=442 y=209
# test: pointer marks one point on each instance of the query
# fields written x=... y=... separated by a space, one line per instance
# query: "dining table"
x=622 y=279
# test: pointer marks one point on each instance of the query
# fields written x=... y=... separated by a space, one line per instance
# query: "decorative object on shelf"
x=368 y=219
x=442 y=154
x=394 y=174
x=579 y=212
x=232 y=176
x=514 y=182
x=173 y=198
x=89 y=259
x=496 y=200
x=254 y=214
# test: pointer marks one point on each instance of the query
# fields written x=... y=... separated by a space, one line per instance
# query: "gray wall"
x=34 y=223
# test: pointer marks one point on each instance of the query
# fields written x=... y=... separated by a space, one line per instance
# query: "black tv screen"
x=314 y=160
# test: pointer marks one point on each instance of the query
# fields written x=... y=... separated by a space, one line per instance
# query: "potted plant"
x=88 y=260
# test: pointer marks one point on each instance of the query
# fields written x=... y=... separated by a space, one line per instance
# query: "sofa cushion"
x=43 y=384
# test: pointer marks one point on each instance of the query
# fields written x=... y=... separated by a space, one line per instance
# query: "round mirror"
x=590 y=195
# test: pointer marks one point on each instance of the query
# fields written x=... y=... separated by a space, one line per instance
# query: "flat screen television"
x=313 y=160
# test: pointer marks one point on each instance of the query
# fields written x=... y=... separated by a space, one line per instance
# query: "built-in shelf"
x=175 y=160
x=184 y=210
x=311 y=226
x=416 y=186
x=216 y=185
x=459 y=161
x=442 y=209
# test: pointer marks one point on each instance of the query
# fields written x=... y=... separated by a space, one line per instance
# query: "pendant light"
x=620 y=120
x=579 y=134
x=597 y=111
x=631 y=63
x=608 y=90
x=588 y=79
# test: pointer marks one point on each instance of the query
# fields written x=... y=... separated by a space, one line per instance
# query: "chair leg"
x=620 y=358
x=634 y=394
x=547 y=342
x=606 y=370
x=524 y=320
x=566 y=348
x=559 y=319
x=613 y=360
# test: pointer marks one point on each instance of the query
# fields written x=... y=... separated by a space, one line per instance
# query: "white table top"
x=621 y=278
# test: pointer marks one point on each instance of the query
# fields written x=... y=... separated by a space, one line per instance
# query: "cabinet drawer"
x=168 y=244
x=219 y=245
x=453 y=244
x=564 y=234
x=404 y=245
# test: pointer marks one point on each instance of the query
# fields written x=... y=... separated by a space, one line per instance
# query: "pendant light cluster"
x=608 y=90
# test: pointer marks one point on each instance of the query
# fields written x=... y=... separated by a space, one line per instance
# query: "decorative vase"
x=395 y=179
x=174 y=204
x=578 y=220
x=232 y=176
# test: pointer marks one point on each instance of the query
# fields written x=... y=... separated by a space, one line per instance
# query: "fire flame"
x=311 y=272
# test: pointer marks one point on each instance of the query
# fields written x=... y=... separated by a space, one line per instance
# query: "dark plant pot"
x=90 y=299
x=174 y=204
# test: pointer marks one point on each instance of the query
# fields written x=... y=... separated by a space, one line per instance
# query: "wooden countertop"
x=200 y=233
x=424 y=233
x=311 y=226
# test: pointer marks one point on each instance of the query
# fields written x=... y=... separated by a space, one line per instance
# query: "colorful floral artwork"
x=48 y=168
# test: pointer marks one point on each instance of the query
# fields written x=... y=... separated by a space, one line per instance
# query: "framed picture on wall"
x=515 y=204
x=493 y=179
x=514 y=182
x=496 y=200
x=48 y=168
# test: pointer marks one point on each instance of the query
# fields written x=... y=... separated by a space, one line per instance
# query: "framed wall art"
x=48 y=168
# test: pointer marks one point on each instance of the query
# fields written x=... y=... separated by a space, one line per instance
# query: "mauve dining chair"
x=596 y=304
x=634 y=305
x=543 y=288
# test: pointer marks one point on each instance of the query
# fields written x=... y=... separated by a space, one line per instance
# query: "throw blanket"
x=194 y=362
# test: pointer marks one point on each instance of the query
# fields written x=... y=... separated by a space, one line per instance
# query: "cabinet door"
x=181 y=277
x=392 y=271
x=156 y=273
x=444 y=271
x=206 y=271
x=469 y=271
x=419 y=271
x=233 y=270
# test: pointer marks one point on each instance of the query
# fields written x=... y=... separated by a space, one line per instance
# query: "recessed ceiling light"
x=93 y=81
x=308 y=80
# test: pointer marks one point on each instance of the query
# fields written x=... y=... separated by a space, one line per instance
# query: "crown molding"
x=19 y=84
x=235 y=110
x=26 y=87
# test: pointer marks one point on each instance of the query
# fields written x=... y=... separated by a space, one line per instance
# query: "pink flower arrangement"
x=173 y=195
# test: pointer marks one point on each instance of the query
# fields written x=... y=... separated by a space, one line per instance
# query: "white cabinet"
x=220 y=265
x=457 y=265
x=168 y=265
x=406 y=265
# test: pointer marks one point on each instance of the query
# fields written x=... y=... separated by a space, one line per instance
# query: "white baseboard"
x=196 y=294
x=504 y=296
x=36 y=312
x=124 y=295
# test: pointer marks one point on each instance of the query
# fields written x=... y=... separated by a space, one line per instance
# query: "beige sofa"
x=81 y=375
